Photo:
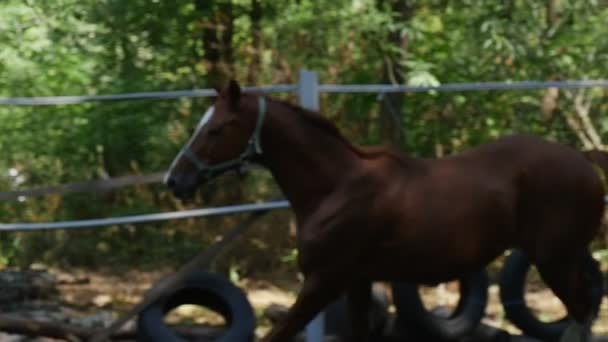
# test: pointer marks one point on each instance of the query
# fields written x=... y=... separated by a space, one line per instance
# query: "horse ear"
x=234 y=92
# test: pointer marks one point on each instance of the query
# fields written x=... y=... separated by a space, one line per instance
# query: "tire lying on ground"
x=414 y=318
x=209 y=290
x=512 y=287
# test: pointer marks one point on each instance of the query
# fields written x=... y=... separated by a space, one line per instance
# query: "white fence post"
x=308 y=91
x=308 y=94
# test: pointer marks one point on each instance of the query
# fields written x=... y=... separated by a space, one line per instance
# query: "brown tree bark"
x=255 y=15
x=551 y=12
x=217 y=24
x=393 y=72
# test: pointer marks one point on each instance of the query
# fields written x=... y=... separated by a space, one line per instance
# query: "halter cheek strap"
x=200 y=165
x=253 y=149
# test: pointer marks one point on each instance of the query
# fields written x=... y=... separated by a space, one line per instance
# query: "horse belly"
x=439 y=244
x=431 y=267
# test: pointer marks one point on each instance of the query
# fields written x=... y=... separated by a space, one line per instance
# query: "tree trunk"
x=226 y=19
x=392 y=103
x=256 y=39
x=217 y=30
x=551 y=13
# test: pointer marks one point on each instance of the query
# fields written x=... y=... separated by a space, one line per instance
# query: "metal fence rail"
x=112 y=221
x=90 y=186
x=321 y=88
x=477 y=86
x=151 y=95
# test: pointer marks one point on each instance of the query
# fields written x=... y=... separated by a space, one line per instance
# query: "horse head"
x=226 y=138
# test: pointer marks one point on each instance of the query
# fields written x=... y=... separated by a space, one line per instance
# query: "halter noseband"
x=253 y=149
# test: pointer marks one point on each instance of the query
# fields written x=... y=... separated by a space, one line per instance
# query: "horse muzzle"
x=182 y=187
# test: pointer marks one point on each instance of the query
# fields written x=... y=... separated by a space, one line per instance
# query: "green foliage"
x=61 y=47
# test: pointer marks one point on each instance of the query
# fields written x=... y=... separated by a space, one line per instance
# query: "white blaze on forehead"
x=206 y=117
x=204 y=120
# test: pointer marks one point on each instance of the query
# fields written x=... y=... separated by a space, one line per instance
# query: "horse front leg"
x=359 y=304
x=317 y=292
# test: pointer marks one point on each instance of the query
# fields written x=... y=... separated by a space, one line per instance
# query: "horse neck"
x=307 y=162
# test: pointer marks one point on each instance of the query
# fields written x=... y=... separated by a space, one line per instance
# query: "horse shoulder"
x=335 y=232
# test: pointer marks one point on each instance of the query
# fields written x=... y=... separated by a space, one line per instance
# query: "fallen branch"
x=29 y=327
x=35 y=328
x=201 y=261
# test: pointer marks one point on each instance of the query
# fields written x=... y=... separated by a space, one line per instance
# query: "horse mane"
x=317 y=120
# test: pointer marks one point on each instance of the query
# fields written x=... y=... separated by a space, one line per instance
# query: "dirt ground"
x=97 y=297
x=117 y=293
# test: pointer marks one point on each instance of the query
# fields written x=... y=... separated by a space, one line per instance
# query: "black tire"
x=206 y=289
x=512 y=287
x=413 y=317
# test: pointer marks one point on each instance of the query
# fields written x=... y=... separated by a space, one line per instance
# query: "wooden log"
x=21 y=285
x=35 y=328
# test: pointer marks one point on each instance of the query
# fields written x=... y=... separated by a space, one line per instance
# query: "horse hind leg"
x=359 y=304
x=572 y=284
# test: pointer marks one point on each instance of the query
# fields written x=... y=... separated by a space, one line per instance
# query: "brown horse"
x=367 y=214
